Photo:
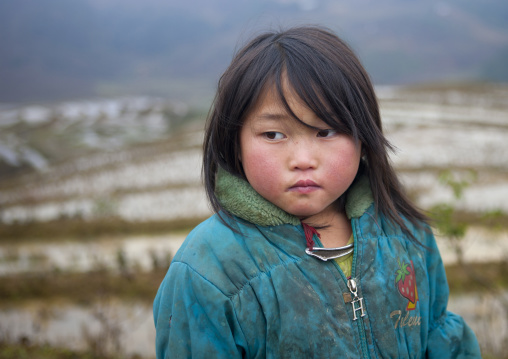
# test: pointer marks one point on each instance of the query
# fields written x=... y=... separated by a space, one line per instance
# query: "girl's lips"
x=304 y=186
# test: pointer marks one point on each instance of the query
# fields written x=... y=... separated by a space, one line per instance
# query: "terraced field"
x=113 y=186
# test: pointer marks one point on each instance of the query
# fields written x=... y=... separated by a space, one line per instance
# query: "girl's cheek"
x=261 y=164
x=262 y=167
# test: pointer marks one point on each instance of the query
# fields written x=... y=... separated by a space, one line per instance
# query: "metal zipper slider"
x=351 y=284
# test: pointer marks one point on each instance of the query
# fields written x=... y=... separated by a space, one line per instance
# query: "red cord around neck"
x=309 y=233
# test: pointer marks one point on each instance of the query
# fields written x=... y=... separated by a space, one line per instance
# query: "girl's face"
x=299 y=169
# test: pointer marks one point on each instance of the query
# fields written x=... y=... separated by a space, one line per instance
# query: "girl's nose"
x=303 y=156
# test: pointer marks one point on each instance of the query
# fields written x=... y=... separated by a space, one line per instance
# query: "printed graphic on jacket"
x=406 y=283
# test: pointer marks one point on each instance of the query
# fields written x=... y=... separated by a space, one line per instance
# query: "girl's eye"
x=274 y=135
x=326 y=133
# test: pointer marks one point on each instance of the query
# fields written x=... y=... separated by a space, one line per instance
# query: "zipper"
x=356 y=302
x=361 y=324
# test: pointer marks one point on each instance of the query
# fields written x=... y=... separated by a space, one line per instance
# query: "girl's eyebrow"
x=282 y=117
x=277 y=116
x=272 y=116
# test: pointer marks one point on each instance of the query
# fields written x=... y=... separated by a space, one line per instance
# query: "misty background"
x=56 y=49
x=102 y=111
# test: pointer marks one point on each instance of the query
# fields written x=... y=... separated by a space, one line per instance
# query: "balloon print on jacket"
x=406 y=283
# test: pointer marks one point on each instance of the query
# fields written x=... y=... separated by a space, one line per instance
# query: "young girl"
x=314 y=250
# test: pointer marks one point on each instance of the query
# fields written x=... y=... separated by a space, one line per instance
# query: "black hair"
x=326 y=75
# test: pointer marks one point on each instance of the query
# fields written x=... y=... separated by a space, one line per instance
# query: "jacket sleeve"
x=449 y=336
x=194 y=319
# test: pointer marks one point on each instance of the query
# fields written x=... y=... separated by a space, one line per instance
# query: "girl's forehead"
x=270 y=107
x=287 y=98
x=271 y=97
x=272 y=101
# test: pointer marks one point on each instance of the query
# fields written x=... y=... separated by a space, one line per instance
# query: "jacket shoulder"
x=228 y=257
x=374 y=224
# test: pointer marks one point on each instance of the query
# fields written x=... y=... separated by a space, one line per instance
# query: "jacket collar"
x=239 y=198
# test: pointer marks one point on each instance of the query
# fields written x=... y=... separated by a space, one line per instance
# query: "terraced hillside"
x=101 y=194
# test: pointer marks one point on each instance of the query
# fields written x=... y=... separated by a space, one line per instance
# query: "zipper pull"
x=351 y=284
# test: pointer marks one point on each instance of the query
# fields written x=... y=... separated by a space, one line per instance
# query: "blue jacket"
x=253 y=292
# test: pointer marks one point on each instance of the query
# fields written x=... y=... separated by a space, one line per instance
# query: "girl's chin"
x=311 y=213
x=303 y=215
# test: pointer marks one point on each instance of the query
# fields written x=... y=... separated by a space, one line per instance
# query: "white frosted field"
x=444 y=130
x=463 y=131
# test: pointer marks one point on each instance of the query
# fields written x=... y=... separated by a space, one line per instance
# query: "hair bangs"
x=306 y=83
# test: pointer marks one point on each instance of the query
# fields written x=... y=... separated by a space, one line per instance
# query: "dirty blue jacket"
x=251 y=291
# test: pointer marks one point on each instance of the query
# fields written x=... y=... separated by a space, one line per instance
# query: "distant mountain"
x=55 y=49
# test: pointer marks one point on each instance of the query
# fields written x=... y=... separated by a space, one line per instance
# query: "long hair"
x=329 y=79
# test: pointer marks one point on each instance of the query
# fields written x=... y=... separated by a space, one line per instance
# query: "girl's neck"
x=336 y=232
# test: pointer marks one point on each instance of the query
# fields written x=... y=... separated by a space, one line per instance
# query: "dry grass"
x=85 y=288
x=477 y=277
x=26 y=350
x=78 y=229
x=81 y=288
x=495 y=220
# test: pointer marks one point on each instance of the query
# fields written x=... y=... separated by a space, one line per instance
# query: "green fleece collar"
x=239 y=198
